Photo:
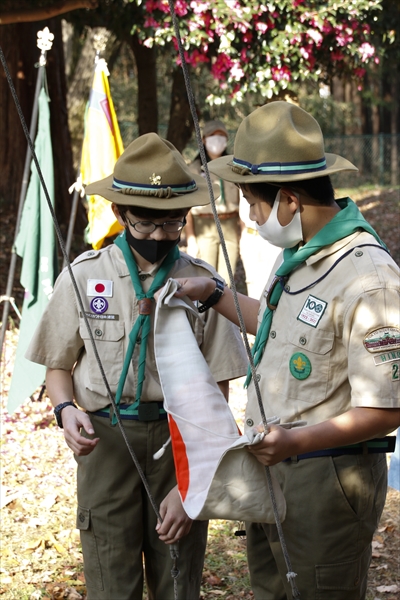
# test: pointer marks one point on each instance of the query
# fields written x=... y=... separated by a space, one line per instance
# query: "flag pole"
x=44 y=43
x=99 y=43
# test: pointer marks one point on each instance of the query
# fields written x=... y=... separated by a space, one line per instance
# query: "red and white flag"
x=217 y=477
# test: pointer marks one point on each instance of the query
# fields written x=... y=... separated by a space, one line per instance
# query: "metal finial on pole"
x=44 y=43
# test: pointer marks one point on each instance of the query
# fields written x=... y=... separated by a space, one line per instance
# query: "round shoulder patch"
x=300 y=365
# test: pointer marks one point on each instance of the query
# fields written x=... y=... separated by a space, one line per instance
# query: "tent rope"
x=173 y=547
x=290 y=574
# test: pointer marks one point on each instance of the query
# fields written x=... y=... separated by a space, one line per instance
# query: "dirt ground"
x=41 y=556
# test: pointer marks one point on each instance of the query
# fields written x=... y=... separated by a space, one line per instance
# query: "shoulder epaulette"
x=90 y=254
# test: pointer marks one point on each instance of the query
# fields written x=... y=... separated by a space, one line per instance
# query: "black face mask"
x=151 y=250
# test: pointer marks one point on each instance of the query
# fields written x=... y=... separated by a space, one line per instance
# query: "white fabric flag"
x=217 y=477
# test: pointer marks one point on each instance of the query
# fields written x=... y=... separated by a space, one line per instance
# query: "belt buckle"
x=148 y=411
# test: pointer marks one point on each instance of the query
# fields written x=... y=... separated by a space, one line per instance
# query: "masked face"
x=278 y=235
x=216 y=144
x=151 y=250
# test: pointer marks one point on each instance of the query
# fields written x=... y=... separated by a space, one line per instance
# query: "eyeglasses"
x=149 y=226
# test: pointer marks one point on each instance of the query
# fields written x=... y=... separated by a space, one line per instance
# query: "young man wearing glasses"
x=151 y=191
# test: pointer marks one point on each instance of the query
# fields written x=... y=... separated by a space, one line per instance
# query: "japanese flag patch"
x=312 y=311
x=100 y=287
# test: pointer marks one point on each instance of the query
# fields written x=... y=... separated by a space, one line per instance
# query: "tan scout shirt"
x=333 y=346
x=61 y=340
x=231 y=195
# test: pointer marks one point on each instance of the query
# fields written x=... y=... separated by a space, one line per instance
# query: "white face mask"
x=216 y=144
x=277 y=235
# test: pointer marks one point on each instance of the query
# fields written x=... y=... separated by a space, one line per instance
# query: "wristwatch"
x=58 y=409
x=215 y=296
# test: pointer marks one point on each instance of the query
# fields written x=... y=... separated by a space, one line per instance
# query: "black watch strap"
x=58 y=409
x=215 y=296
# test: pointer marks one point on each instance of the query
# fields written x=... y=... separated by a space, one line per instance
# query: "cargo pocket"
x=343 y=581
x=108 y=337
x=92 y=568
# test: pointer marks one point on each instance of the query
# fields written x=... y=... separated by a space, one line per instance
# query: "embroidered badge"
x=300 y=366
x=382 y=359
x=100 y=287
x=312 y=311
x=155 y=179
x=99 y=305
x=384 y=339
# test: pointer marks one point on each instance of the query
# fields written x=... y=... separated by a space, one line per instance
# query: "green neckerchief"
x=343 y=224
x=142 y=324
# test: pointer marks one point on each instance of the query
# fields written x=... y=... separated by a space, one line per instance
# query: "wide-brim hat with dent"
x=278 y=142
x=151 y=173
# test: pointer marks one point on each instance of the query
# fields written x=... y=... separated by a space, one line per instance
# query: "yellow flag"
x=102 y=145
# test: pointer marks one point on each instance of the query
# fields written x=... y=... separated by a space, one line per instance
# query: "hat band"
x=275 y=168
x=127 y=187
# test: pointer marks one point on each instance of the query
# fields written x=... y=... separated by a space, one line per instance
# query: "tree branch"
x=41 y=13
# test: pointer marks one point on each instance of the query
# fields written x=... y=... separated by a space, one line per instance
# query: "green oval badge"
x=300 y=365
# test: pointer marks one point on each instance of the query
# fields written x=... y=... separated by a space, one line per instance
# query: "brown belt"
x=222 y=216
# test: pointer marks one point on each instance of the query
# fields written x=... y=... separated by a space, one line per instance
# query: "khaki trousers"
x=209 y=245
x=333 y=508
x=117 y=522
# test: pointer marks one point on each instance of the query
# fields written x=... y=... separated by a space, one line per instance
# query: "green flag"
x=36 y=245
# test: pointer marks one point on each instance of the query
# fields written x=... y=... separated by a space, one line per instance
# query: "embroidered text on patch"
x=312 y=311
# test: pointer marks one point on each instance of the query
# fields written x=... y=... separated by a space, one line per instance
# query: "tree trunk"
x=181 y=125
x=147 y=85
x=19 y=43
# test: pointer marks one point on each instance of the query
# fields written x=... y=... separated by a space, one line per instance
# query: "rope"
x=74 y=284
x=290 y=575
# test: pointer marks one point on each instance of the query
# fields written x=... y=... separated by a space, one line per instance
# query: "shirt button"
x=250 y=422
x=142 y=277
x=359 y=253
x=98 y=332
x=287 y=288
x=81 y=517
x=273 y=334
x=198 y=261
x=90 y=254
x=303 y=341
x=258 y=376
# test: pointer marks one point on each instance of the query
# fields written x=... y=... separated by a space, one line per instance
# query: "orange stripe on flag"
x=180 y=458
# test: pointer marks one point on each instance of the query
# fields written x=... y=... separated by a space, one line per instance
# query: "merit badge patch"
x=312 y=311
x=300 y=366
x=382 y=340
x=99 y=305
x=99 y=287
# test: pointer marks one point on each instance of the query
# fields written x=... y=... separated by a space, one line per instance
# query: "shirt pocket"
x=304 y=373
x=108 y=337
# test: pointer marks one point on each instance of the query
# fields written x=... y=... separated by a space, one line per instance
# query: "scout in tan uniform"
x=327 y=351
x=151 y=190
x=201 y=232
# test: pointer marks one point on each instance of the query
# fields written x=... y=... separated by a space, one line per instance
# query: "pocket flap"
x=318 y=341
x=102 y=330
x=83 y=518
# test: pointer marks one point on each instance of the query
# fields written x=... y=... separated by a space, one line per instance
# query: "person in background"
x=151 y=191
x=258 y=256
x=326 y=352
x=201 y=231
